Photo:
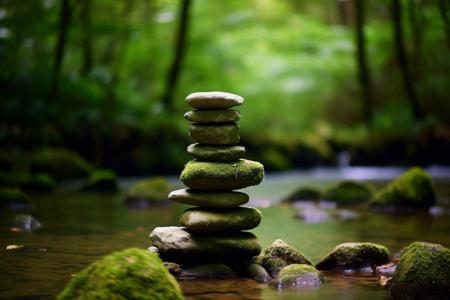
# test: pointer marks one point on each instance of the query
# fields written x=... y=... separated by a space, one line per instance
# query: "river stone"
x=214 y=200
x=205 y=220
x=217 y=176
x=213 y=100
x=216 y=153
x=298 y=276
x=213 y=116
x=220 y=134
x=176 y=244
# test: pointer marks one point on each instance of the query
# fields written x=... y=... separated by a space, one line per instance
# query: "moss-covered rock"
x=102 y=180
x=213 y=100
x=213 y=116
x=216 y=153
x=148 y=192
x=423 y=272
x=214 y=176
x=14 y=199
x=354 y=256
x=220 y=134
x=414 y=188
x=198 y=219
x=298 y=276
x=349 y=192
x=128 y=274
x=279 y=255
x=303 y=194
x=209 y=199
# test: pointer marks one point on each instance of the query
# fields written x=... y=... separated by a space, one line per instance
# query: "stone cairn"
x=213 y=230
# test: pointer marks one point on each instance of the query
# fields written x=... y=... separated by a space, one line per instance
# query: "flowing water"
x=79 y=228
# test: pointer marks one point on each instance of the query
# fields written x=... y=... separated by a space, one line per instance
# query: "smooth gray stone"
x=213 y=116
x=213 y=100
x=209 y=199
x=216 y=153
x=220 y=134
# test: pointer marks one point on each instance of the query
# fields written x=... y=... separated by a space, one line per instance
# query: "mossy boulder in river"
x=423 y=272
x=349 y=192
x=298 y=276
x=303 y=194
x=205 y=220
x=128 y=274
x=414 y=188
x=279 y=255
x=102 y=180
x=215 y=176
x=14 y=199
x=148 y=192
x=211 y=199
x=213 y=116
x=216 y=153
x=217 y=134
x=354 y=256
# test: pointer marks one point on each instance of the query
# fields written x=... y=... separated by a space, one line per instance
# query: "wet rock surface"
x=209 y=199
x=298 y=276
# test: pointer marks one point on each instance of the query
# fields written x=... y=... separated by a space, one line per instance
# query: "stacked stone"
x=213 y=230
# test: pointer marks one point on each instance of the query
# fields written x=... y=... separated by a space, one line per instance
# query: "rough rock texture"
x=14 y=199
x=349 y=192
x=414 y=188
x=303 y=194
x=102 y=180
x=211 y=199
x=199 y=219
x=297 y=276
x=213 y=116
x=279 y=255
x=178 y=245
x=256 y=272
x=218 y=134
x=128 y=274
x=423 y=272
x=213 y=100
x=208 y=176
x=354 y=256
x=216 y=153
x=147 y=192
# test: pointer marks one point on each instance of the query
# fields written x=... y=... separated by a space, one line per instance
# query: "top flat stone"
x=213 y=100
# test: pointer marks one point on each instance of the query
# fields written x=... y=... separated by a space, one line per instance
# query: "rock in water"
x=214 y=176
x=213 y=100
x=178 y=245
x=211 y=199
x=128 y=274
x=216 y=271
x=349 y=192
x=423 y=272
x=220 y=220
x=216 y=153
x=354 y=256
x=222 y=134
x=298 y=276
x=213 y=116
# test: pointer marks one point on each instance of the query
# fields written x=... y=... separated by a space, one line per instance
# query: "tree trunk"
x=415 y=22
x=85 y=15
x=445 y=19
x=180 y=47
x=403 y=61
x=363 y=67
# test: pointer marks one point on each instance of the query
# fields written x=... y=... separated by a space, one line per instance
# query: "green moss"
x=151 y=189
x=213 y=116
x=298 y=275
x=274 y=159
x=14 y=199
x=349 y=192
x=128 y=274
x=304 y=193
x=354 y=256
x=102 y=180
x=414 y=188
x=39 y=182
x=279 y=255
x=422 y=272
x=217 y=134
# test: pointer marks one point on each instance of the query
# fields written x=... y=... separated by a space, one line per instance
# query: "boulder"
x=148 y=192
x=213 y=270
x=254 y=271
x=213 y=100
x=423 y=272
x=354 y=256
x=206 y=220
x=298 y=276
x=349 y=192
x=216 y=153
x=220 y=134
x=215 y=176
x=102 y=180
x=305 y=193
x=209 y=199
x=128 y=274
x=279 y=255
x=414 y=188
x=213 y=116
x=178 y=245
x=14 y=199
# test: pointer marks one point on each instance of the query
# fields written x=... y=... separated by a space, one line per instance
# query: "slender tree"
x=443 y=9
x=179 y=50
x=403 y=61
x=85 y=18
x=363 y=67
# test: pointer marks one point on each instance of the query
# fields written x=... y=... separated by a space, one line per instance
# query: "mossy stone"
x=298 y=276
x=213 y=116
x=423 y=272
x=303 y=194
x=349 y=192
x=279 y=255
x=217 y=176
x=414 y=188
x=204 y=220
x=14 y=199
x=147 y=192
x=220 y=134
x=213 y=100
x=179 y=245
x=128 y=274
x=354 y=256
x=209 y=199
x=102 y=180
x=216 y=153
